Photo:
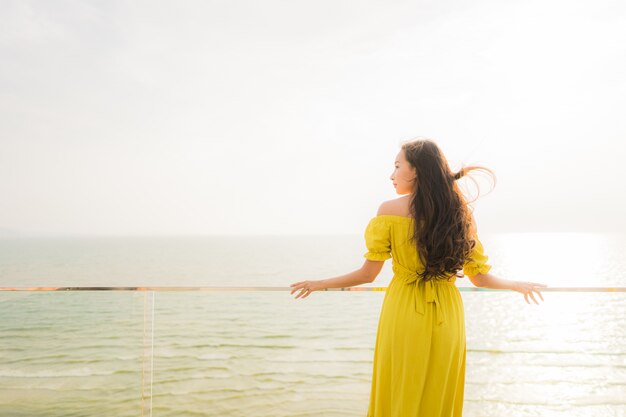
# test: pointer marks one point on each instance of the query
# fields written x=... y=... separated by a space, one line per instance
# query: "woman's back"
x=395 y=225
x=420 y=351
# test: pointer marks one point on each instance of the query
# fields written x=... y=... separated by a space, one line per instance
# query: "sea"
x=261 y=352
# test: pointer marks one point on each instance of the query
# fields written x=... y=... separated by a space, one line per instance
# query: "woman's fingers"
x=530 y=293
x=536 y=284
x=526 y=294
x=303 y=287
x=303 y=293
x=527 y=289
x=302 y=290
x=296 y=286
x=541 y=296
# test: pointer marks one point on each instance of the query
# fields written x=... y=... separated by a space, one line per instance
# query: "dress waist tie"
x=427 y=287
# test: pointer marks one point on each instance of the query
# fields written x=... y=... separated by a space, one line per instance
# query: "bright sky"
x=255 y=117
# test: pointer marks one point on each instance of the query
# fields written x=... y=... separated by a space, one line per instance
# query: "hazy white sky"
x=253 y=117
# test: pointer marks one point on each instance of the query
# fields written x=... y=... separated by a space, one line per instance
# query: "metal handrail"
x=357 y=288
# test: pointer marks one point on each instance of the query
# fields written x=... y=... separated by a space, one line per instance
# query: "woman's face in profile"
x=403 y=175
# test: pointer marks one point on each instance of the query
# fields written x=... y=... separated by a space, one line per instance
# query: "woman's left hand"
x=306 y=288
x=527 y=289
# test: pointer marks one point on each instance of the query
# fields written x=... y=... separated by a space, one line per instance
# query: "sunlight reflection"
x=556 y=259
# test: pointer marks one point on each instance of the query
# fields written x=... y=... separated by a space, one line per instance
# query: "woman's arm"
x=348 y=280
x=491 y=281
x=367 y=273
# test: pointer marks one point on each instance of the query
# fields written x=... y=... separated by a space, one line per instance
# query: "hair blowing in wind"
x=444 y=229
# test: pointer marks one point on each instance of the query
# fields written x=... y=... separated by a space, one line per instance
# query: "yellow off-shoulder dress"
x=419 y=356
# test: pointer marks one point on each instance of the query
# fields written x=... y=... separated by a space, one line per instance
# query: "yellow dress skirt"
x=419 y=356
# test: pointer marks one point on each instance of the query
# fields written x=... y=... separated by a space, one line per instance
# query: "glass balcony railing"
x=257 y=351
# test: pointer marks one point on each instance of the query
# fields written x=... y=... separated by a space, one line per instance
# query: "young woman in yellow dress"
x=419 y=356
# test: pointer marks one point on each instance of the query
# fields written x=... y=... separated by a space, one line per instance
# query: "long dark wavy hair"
x=444 y=233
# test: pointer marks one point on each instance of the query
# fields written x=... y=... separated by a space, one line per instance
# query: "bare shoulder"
x=396 y=207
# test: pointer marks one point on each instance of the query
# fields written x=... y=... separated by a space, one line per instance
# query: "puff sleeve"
x=377 y=240
x=477 y=263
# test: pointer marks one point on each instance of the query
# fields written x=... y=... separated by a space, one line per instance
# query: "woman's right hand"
x=527 y=289
x=306 y=287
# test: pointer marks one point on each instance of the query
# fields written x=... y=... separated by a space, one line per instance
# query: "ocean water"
x=263 y=353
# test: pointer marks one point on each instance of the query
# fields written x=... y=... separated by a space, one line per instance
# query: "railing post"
x=148 y=354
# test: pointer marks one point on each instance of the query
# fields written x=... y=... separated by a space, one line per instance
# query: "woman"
x=419 y=357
